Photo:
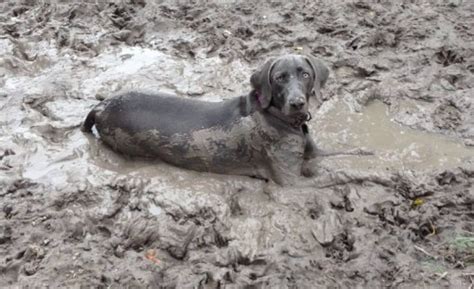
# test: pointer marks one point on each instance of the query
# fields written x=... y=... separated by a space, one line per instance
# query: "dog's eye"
x=305 y=75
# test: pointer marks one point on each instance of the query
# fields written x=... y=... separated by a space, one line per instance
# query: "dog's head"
x=288 y=82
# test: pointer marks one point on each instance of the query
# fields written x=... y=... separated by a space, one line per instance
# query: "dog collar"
x=258 y=97
x=294 y=121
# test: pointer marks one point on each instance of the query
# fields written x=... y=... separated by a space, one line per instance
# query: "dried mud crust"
x=103 y=229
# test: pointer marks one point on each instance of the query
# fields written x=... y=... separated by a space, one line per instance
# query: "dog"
x=262 y=134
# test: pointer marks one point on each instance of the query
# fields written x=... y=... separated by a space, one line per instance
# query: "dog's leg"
x=310 y=163
x=286 y=159
x=351 y=152
x=310 y=149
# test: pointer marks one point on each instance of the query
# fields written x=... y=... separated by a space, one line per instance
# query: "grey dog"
x=262 y=134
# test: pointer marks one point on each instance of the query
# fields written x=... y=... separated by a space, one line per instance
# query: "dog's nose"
x=297 y=103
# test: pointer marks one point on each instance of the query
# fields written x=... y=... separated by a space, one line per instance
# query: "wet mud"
x=73 y=213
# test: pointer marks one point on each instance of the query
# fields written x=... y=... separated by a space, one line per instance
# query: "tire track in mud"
x=74 y=213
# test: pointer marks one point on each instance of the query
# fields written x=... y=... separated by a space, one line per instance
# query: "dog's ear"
x=321 y=73
x=262 y=84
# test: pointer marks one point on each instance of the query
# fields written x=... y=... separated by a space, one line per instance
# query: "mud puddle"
x=395 y=147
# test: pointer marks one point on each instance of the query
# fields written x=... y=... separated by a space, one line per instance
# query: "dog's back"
x=189 y=133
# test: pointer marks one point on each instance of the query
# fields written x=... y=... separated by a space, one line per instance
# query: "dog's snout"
x=297 y=103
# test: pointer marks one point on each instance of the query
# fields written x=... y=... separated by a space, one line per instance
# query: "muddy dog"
x=262 y=134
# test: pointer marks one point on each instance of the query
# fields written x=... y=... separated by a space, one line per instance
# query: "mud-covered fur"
x=261 y=134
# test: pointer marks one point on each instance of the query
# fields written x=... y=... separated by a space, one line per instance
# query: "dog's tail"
x=89 y=121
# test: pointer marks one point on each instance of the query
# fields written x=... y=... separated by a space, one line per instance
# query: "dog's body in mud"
x=262 y=134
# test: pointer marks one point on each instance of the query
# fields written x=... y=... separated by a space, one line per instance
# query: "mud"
x=76 y=214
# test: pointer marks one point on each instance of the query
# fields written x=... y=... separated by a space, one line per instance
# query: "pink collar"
x=258 y=97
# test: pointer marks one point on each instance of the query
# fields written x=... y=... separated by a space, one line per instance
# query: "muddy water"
x=74 y=213
x=395 y=147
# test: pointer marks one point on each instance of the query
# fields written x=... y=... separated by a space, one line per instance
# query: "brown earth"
x=73 y=213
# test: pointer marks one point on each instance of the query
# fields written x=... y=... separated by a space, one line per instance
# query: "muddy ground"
x=73 y=213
